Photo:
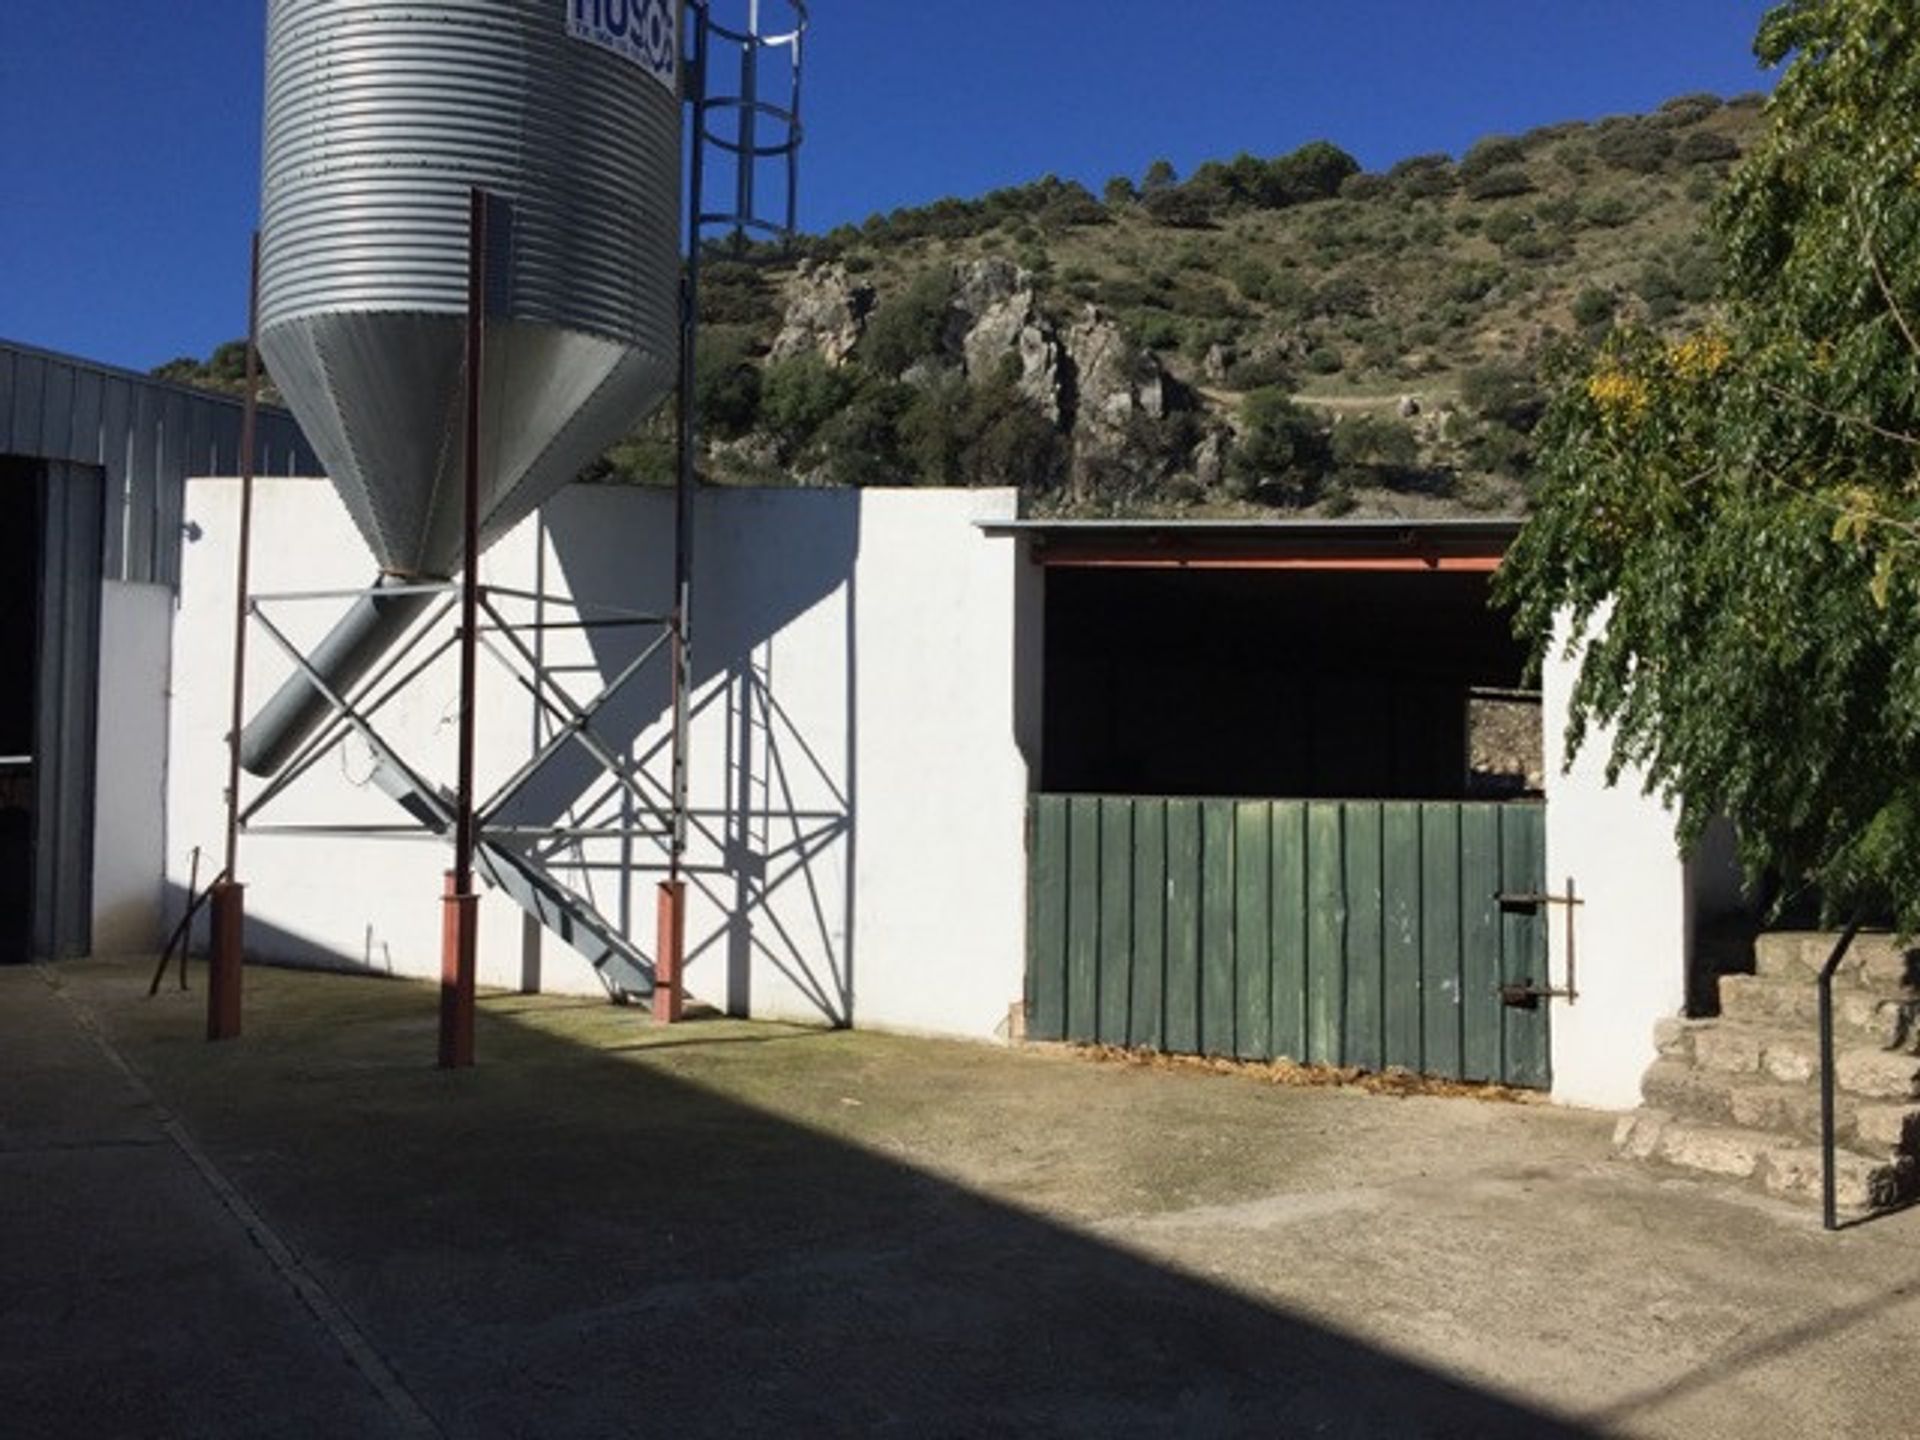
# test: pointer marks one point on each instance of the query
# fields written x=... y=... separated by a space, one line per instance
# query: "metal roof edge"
x=136 y=377
x=1371 y=526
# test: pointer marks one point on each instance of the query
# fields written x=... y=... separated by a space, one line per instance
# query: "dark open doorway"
x=50 y=578
x=20 y=491
x=1300 y=683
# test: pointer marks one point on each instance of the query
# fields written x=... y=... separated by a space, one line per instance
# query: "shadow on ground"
x=569 y=1241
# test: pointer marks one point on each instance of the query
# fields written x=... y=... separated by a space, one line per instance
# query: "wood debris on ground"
x=1391 y=1081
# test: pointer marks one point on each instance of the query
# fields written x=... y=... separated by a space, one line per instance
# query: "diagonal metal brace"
x=576 y=721
x=353 y=718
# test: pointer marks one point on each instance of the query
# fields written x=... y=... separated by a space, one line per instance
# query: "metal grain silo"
x=381 y=117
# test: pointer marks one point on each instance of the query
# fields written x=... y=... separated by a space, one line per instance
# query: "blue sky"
x=128 y=172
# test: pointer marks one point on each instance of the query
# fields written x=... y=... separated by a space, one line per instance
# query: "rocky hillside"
x=1264 y=334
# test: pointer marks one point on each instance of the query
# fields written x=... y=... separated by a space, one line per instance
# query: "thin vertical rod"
x=793 y=138
x=683 y=490
x=459 y=913
x=249 y=427
x=748 y=159
x=1829 y=1201
x=463 y=841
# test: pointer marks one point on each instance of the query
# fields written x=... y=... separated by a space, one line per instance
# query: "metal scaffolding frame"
x=762 y=131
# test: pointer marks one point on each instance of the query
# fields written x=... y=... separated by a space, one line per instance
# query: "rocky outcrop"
x=1088 y=379
x=1210 y=460
x=826 y=312
x=1114 y=381
x=996 y=315
x=1114 y=384
x=981 y=285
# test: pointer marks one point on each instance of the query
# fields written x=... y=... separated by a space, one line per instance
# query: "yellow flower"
x=1700 y=357
x=1619 y=395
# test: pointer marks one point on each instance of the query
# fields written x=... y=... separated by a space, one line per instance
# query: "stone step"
x=1875 y=960
x=1789 y=1057
x=1747 y=1102
x=1752 y=1103
x=1862 y=1183
x=1673 y=1036
x=1887 y=1127
x=1887 y=1021
x=1653 y=1134
x=1878 y=1074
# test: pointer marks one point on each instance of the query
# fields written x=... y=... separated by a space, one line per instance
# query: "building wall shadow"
x=772 y=771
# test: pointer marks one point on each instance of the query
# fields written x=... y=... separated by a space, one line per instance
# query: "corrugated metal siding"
x=149 y=436
x=1362 y=933
x=379 y=118
x=65 y=720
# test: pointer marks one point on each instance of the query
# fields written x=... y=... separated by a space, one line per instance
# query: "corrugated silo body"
x=380 y=117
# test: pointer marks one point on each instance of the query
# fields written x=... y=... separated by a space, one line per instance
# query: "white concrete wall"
x=1632 y=936
x=940 y=880
x=857 y=784
x=130 y=777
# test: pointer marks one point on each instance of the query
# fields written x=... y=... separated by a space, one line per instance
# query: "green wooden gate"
x=1363 y=933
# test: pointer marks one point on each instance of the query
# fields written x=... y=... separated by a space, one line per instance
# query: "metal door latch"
x=1524 y=994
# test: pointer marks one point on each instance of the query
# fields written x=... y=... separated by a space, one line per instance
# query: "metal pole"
x=1829 y=1206
x=226 y=950
x=249 y=423
x=689 y=426
x=672 y=892
x=793 y=146
x=746 y=171
x=470 y=578
x=461 y=917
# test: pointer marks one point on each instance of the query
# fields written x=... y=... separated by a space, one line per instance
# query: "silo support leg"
x=225 y=956
x=459 y=931
x=669 y=951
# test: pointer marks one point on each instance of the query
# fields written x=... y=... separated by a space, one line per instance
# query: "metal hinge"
x=1525 y=995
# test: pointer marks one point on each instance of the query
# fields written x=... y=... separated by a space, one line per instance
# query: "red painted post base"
x=226 y=954
x=669 y=952
x=459 y=931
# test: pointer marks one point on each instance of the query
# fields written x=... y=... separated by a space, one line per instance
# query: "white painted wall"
x=940 y=879
x=1633 y=934
x=857 y=783
x=129 y=828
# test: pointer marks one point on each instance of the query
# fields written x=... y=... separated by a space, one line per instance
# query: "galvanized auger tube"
x=382 y=117
x=353 y=647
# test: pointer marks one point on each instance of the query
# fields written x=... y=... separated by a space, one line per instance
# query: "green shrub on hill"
x=800 y=395
x=1641 y=146
x=956 y=433
x=1500 y=183
x=1495 y=152
x=726 y=381
x=1283 y=451
x=911 y=326
x=1707 y=147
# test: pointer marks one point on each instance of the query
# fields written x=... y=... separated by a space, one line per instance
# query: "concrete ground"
x=608 y=1229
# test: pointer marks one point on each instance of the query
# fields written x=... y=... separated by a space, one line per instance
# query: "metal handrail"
x=1830 y=1215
